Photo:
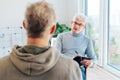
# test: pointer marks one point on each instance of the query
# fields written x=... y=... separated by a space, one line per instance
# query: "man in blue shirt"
x=74 y=43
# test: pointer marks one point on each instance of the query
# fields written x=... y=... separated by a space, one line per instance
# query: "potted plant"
x=60 y=28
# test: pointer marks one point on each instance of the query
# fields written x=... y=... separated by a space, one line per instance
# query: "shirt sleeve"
x=90 y=52
x=58 y=43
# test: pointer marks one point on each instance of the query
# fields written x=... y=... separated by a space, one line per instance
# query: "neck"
x=76 y=34
x=42 y=42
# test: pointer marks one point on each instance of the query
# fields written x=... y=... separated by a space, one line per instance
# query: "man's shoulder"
x=4 y=60
x=64 y=34
x=63 y=59
x=86 y=38
x=68 y=61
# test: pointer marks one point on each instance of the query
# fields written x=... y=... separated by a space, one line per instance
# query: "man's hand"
x=87 y=63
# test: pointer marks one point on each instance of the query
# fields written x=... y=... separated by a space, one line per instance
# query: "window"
x=104 y=28
x=114 y=34
x=93 y=22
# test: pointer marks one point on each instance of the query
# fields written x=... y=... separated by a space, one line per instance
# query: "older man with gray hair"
x=74 y=43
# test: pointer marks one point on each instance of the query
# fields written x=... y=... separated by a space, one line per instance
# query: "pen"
x=76 y=52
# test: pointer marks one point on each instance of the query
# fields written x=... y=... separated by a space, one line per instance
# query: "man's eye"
x=79 y=24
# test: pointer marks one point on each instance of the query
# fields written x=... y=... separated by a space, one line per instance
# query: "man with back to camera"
x=37 y=60
x=74 y=43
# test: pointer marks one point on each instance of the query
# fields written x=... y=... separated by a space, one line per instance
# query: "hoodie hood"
x=34 y=60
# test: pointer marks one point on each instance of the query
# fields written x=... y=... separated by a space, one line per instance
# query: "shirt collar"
x=76 y=34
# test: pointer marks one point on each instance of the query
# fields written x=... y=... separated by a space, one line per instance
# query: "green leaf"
x=60 y=28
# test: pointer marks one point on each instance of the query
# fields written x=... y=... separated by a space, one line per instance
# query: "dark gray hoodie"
x=38 y=63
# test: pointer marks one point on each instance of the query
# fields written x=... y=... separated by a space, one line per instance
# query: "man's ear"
x=24 y=24
x=53 y=28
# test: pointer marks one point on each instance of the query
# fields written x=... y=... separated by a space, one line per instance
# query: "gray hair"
x=80 y=16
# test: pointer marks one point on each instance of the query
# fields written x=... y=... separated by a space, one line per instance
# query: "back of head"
x=39 y=16
x=80 y=16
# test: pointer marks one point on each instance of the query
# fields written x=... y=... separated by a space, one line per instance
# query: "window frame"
x=104 y=36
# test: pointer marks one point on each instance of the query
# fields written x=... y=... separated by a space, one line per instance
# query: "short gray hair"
x=80 y=16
